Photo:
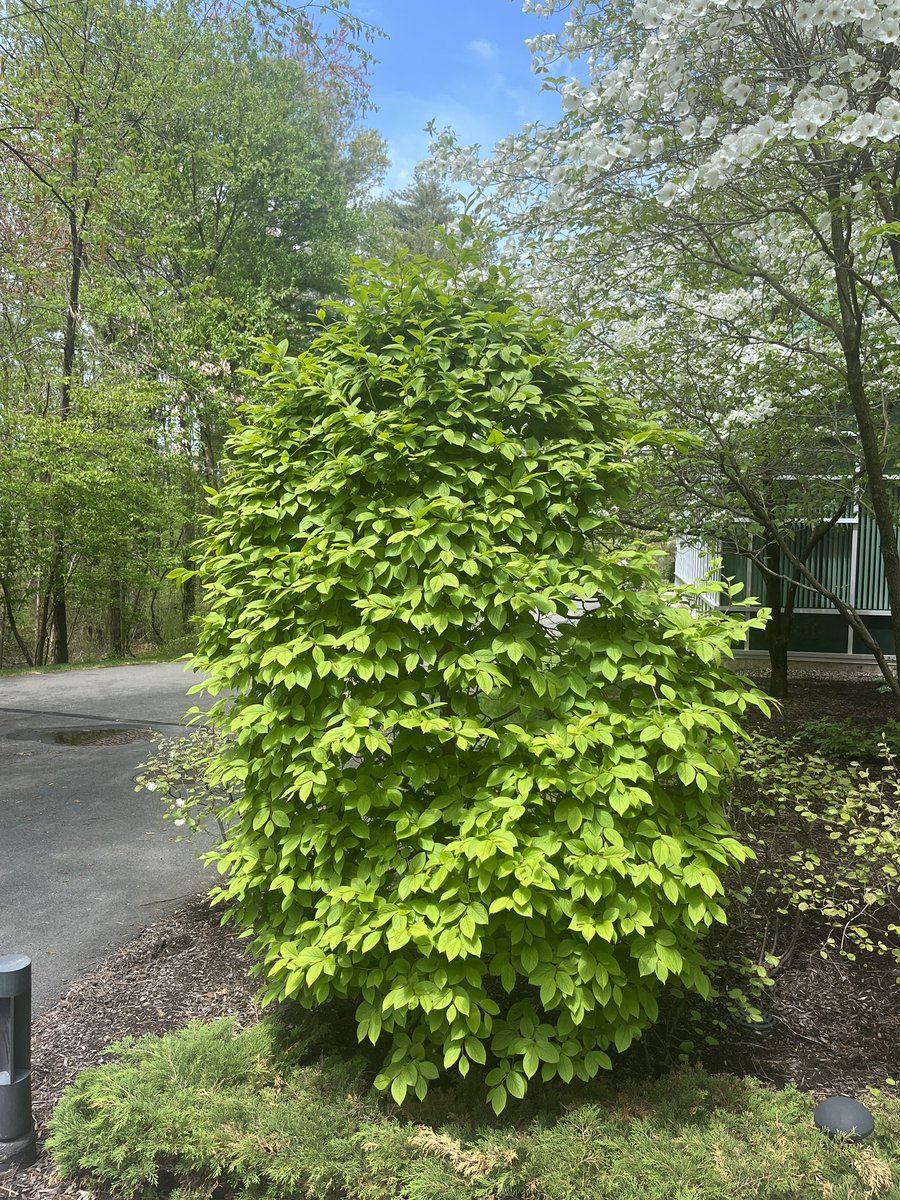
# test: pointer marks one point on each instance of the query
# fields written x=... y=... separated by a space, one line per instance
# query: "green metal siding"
x=830 y=562
x=871 y=588
x=860 y=583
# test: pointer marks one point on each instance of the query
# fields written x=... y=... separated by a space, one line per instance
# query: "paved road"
x=85 y=861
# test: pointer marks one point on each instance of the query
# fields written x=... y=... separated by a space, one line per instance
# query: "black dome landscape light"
x=759 y=1022
x=839 y=1116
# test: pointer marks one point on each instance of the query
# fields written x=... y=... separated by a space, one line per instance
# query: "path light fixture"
x=756 y=1021
x=18 y=1147
x=841 y=1116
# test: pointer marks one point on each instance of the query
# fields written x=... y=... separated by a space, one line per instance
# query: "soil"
x=837 y=1027
x=866 y=702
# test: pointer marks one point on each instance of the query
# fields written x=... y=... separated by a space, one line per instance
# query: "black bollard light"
x=18 y=1147
x=841 y=1116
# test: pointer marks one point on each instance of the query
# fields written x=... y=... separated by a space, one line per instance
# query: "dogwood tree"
x=748 y=149
x=769 y=469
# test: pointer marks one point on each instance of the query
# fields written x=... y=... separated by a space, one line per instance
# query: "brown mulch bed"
x=866 y=702
x=838 y=1030
x=838 y=1022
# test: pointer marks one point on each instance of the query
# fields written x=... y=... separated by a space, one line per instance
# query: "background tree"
x=415 y=214
x=752 y=145
x=95 y=482
x=769 y=466
x=180 y=179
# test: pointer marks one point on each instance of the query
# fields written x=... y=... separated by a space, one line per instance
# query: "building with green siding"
x=847 y=562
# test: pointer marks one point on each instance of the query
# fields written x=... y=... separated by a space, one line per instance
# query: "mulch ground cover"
x=837 y=1028
x=838 y=1022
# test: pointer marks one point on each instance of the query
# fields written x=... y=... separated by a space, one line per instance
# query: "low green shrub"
x=213 y=1112
x=180 y=771
x=847 y=740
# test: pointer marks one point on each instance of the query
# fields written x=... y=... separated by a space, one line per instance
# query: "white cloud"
x=483 y=50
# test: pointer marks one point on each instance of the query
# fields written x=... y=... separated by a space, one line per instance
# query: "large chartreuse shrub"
x=500 y=835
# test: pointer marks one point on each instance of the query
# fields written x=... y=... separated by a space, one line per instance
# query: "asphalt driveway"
x=85 y=861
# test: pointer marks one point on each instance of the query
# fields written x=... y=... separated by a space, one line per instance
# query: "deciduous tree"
x=179 y=177
x=751 y=148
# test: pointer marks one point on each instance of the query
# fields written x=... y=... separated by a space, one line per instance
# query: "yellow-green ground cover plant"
x=826 y=842
x=212 y=1113
x=498 y=833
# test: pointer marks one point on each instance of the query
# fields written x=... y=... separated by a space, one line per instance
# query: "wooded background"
x=175 y=180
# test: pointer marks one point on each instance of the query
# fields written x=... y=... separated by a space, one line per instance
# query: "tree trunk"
x=59 y=625
x=873 y=457
x=13 y=627
x=188 y=603
x=878 y=488
x=778 y=660
x=41 y=623
x=154 y=624
x=59 y=619
x=189 y=587
x=116 y=622
x=70 y=336
x=778 y=629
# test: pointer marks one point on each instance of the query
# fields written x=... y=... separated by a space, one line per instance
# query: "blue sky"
x=461 y=62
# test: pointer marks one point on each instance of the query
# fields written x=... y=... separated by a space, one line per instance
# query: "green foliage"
x=827 y=845
x=88 y=494
x=181 y=771
x=213 y=1112
x=174 y=182
x=414 y=216
x=199 y=1105
x=846 y=740
x=499 y=833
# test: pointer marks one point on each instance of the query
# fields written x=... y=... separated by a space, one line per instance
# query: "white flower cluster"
x=701 y=89
x=679 y=97
x=749 y=413
x=877 y=22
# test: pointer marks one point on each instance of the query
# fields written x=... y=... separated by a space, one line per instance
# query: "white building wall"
x=693 y=562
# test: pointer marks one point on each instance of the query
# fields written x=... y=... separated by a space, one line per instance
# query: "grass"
x=131 y=660
x=215 y=1113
